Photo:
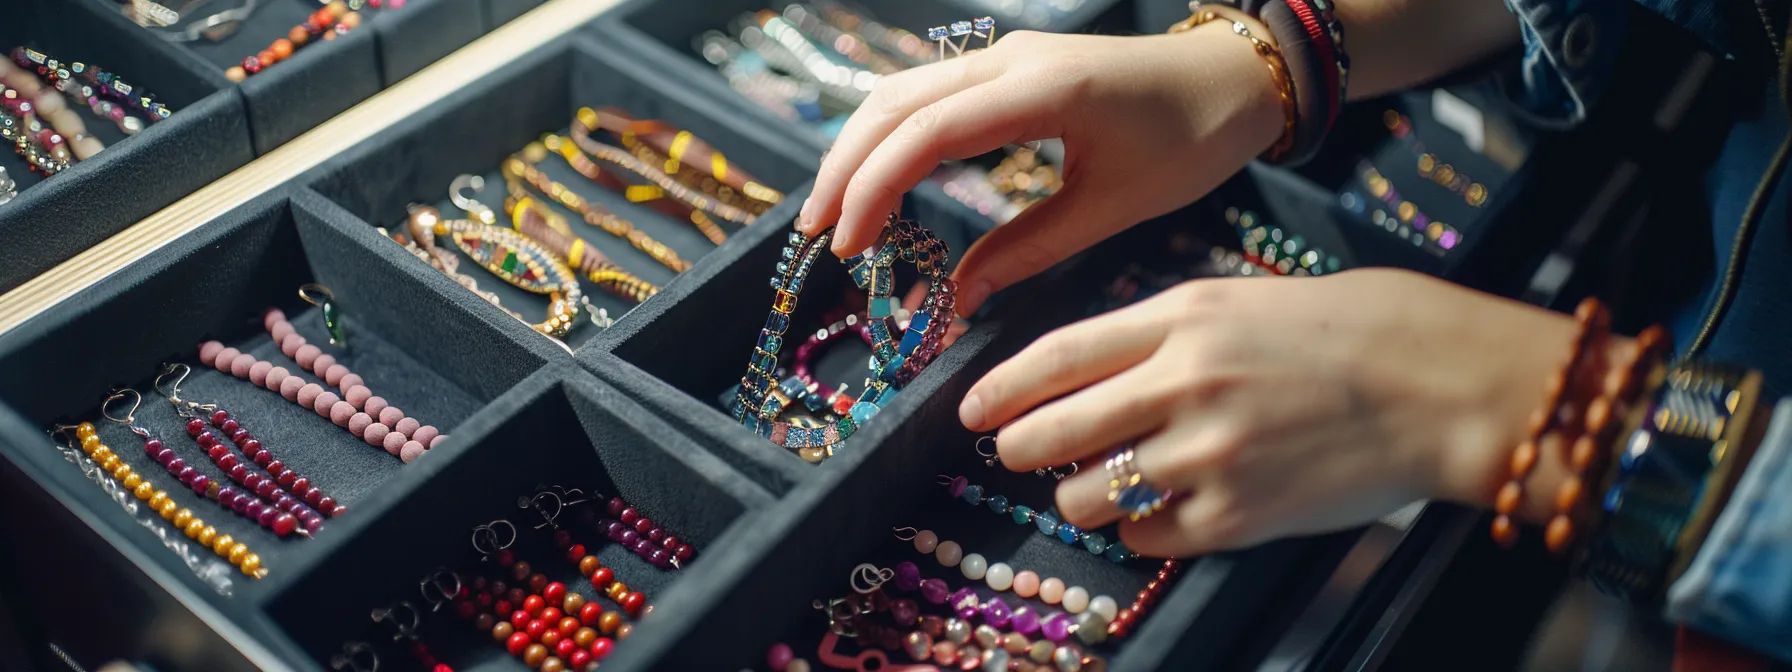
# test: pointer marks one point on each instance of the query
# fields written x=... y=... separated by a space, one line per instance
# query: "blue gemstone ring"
x=1127 y=488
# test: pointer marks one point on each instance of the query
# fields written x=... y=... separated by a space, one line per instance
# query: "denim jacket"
x=1739 y=585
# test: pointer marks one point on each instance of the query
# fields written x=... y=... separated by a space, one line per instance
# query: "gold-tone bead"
x=194 y=526
x=132 y=481
x=121 y=471
x=109 y=462
x=182 y=517
x=168 y=508
x=237 y=551
x=144 y=491
x=155 y=501
x=207 y=535
x=250 y=563
x=221 y=544
x=84 y=430
x=101 y=453
x=90 y=443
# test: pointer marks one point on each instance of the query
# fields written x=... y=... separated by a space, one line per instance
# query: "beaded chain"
x=27 y=137
x=1047 y=522
x=185 y=520
x=515 y=258
x=1588 y=456
x=283 y=478
x=648 y=540
x=48 y=103
x=322 y=26
x=819 y=395
x=580 y=132
x=686 y=157
x=280 y=510
x=1001 y=577
x=94 y=83
x=761 y=399
x=650 y=195
x=520 y=170
x=1558 y=419
x=209 y=570
x=537 y=223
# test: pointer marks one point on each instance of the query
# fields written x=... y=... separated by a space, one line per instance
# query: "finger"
x=1042 y=235
x=968 y=123
x=1088 y=423
x=893 y=99
x=916 y=295
x=1066 y=359
x=1089 y=498
x=958 y=328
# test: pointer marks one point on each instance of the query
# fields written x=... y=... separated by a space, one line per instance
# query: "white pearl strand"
x=1000 y=577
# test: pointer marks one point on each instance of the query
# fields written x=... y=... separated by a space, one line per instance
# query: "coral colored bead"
x=390 y=415
x=567 y=626
x=410 y=451
x=239 y=367
x=518 y=641
x=425 y=434
x=554 y=593
x=534 y=604
x=394 y=443
x=632 y=603
x=227 y=355
x=375 y=434
x=208 y=352
x=322 y=365
x=333 y=375
x=590 y=613
x=602 y=648
x=374 y=405
x=309 y=392
x=407 y=426
x=266 y=57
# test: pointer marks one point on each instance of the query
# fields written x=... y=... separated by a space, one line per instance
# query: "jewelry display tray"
x=217 y=125
x=630 y=411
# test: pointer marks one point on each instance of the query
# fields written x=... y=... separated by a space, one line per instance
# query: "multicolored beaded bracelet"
x=689 y=160
x=323 y=25
x=1000 y=621
x=761 y=399
x=99 y=83
x=24 y=135
x=587 y=121
x=1001 y=577
x=48 y=103
x=1048 y=523
x=519 y=170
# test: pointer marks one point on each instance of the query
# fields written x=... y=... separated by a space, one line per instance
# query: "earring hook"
x=130 y=417
x=352 y=655
x=911 y=532
x=473 y=207
x=332 y=319
x=391 y=613
x=446 y=584
x=173 y=393
x=549 y=519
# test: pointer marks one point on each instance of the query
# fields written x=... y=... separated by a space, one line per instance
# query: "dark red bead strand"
x=228 y=497
x=285 y=478
x=281 y=510
x=634 y=603
x=1134 y=614
x=524 y=617
x=641 y=535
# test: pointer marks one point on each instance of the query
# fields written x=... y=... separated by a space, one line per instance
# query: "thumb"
x=1050 y=231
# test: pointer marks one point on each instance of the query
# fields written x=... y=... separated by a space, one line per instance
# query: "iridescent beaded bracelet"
x=761 y=399
x=1048 y=523
x=99 y=83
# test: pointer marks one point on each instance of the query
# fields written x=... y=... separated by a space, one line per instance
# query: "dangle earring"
x=289 y=497
x=405 y=620
x=214 y=573
x=159 y=501
x=992 y=458
x=552 y=627
x=321 y=296
x=549 y=504
x=355 y=657
x=653 y=543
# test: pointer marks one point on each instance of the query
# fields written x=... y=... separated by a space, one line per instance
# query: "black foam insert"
x=500 y=12
x=577 y=432
x=424 y=31
x=208 y=136
x=513 y=107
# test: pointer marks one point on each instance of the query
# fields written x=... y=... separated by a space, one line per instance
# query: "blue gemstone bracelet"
x=1047 y=521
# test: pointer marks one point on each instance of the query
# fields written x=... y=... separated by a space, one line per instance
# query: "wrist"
x=1232 y=103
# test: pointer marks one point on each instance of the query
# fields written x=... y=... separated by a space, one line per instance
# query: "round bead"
x=436 y=442
x=225 y=357
x=340 y=412
x=410 y=451
x=277 y=377
x=309 y=393
x=1559 y=533
x=798 y=665
x=425 y=435
x=973 y=566
x=406 y=426
x=1568 y=494
x=306 y=355
x=999 y=576
x=394 y=443
x=240 y=366
x=258 y=373
x=1581 y=457
x=390 y=415
x=375 y=434
x=374 y=405
x=355 y=394
x=1026 y=584
x=609 y=622
x=1504 y=531
x=1105 y=606
x=1051 y=591
x=779 y=657
x=1076 y=599
x=517 y=643
x=926 y=541
x=322 y=365
x=334 y=374
x=290 y=345
x=1510 y=496
x=208 y=352
x=324 y=402
x=351 y=380
x=554 y=664
x=279 y=331
x=357 y=423
x=949 y=553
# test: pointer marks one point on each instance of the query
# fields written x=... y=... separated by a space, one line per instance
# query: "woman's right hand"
x=1149 y=124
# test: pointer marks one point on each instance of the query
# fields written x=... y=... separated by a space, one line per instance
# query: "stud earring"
x=321 y=296
x=221 y=544
x=285 y=494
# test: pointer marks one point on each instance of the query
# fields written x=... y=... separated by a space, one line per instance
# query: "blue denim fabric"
x=1561 y=80
x=1739 y=586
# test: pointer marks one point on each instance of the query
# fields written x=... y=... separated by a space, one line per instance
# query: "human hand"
x=1280 y=406
x=1149 y=124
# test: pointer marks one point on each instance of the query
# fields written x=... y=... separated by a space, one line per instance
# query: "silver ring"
x=1127 y=488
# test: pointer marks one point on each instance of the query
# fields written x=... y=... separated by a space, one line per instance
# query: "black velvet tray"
x=540 y=94
x=208 y=136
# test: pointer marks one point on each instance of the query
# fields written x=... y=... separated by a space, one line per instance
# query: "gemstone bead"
x=1025 y=621
x=934 y=591
x=1022 y=514
x=1046 y=522
x=998 y=504
x=1068 y=533
x=973 y=495
x=905 y=612
x=1056 y=627
x=997 y=613
x=999 y=576
x=1095 y=542
x=908 y=576
x=964 y=603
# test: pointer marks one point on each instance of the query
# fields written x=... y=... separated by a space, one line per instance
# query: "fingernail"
x=802 y=216
x=970 y=412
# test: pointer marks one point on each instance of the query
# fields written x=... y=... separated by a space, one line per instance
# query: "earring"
x=321 y=296
x=405 y=620
x=222 y=544
x=552 y=627
x=288 y=497
x=653 y=543
x=214 y=573
x=603 y=578
x=355 y=657
x=993 y=458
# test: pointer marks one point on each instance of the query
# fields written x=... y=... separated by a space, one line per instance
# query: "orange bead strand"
x=1557 y=419
x=323 y=24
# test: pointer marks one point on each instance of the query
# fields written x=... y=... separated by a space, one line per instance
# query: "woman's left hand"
x=1277 y=406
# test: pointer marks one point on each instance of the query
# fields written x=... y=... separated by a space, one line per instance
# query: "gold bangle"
x=1272 y=56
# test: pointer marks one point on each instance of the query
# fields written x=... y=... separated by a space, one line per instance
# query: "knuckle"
x=887 y=94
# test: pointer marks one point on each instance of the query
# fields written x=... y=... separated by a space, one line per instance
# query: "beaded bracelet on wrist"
x=1278 y=73
x=894 y=363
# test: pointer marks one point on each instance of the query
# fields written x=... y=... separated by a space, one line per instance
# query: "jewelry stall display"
x=625 y=217
x=218 y=21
